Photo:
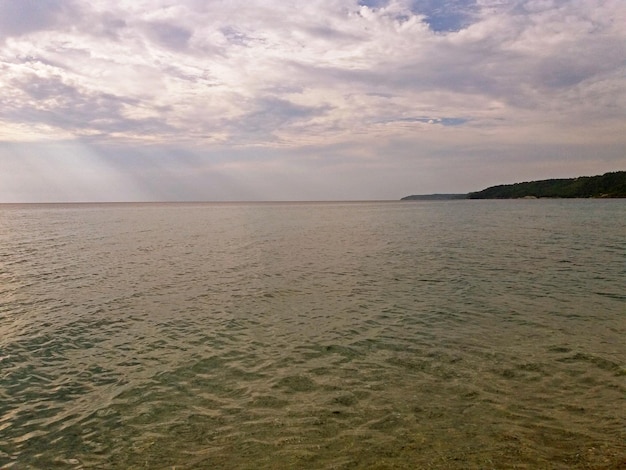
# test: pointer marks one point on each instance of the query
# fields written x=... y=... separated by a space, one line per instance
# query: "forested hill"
x=608 y=185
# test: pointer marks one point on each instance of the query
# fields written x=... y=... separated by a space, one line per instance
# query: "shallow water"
x=457 y=334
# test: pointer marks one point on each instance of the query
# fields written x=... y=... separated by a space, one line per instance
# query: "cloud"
x=384 y=51
x=27 y=16
x=170 y=36
x=269 y=115
x=350 y=80
x=236 y=37
x=82 y=112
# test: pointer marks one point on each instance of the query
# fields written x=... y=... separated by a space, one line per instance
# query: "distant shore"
x=434 y=197
x=608 y=185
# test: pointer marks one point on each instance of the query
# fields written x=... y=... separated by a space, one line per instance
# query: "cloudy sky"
x=114 y=100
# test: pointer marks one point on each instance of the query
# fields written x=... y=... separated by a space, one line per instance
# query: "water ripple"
x=371 y=335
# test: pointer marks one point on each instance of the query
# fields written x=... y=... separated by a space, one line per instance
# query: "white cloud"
x=355 y=77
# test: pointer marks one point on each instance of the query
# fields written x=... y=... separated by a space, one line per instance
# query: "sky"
x=229 y=100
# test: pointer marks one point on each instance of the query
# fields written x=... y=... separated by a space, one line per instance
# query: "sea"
x=319 y=335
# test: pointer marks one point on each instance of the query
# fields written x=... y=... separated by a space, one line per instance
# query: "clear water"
x=460 y=334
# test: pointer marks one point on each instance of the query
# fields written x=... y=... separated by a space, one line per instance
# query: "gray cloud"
x=108 y=25
x=270 y=114
x=582 y=59
x=67 y=107
x=169 y=35
x=27 y=16
x=236 y=37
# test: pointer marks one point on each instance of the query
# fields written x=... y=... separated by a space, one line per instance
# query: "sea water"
x=447 y=334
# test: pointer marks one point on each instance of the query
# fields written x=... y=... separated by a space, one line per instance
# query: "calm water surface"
x=460 y=334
